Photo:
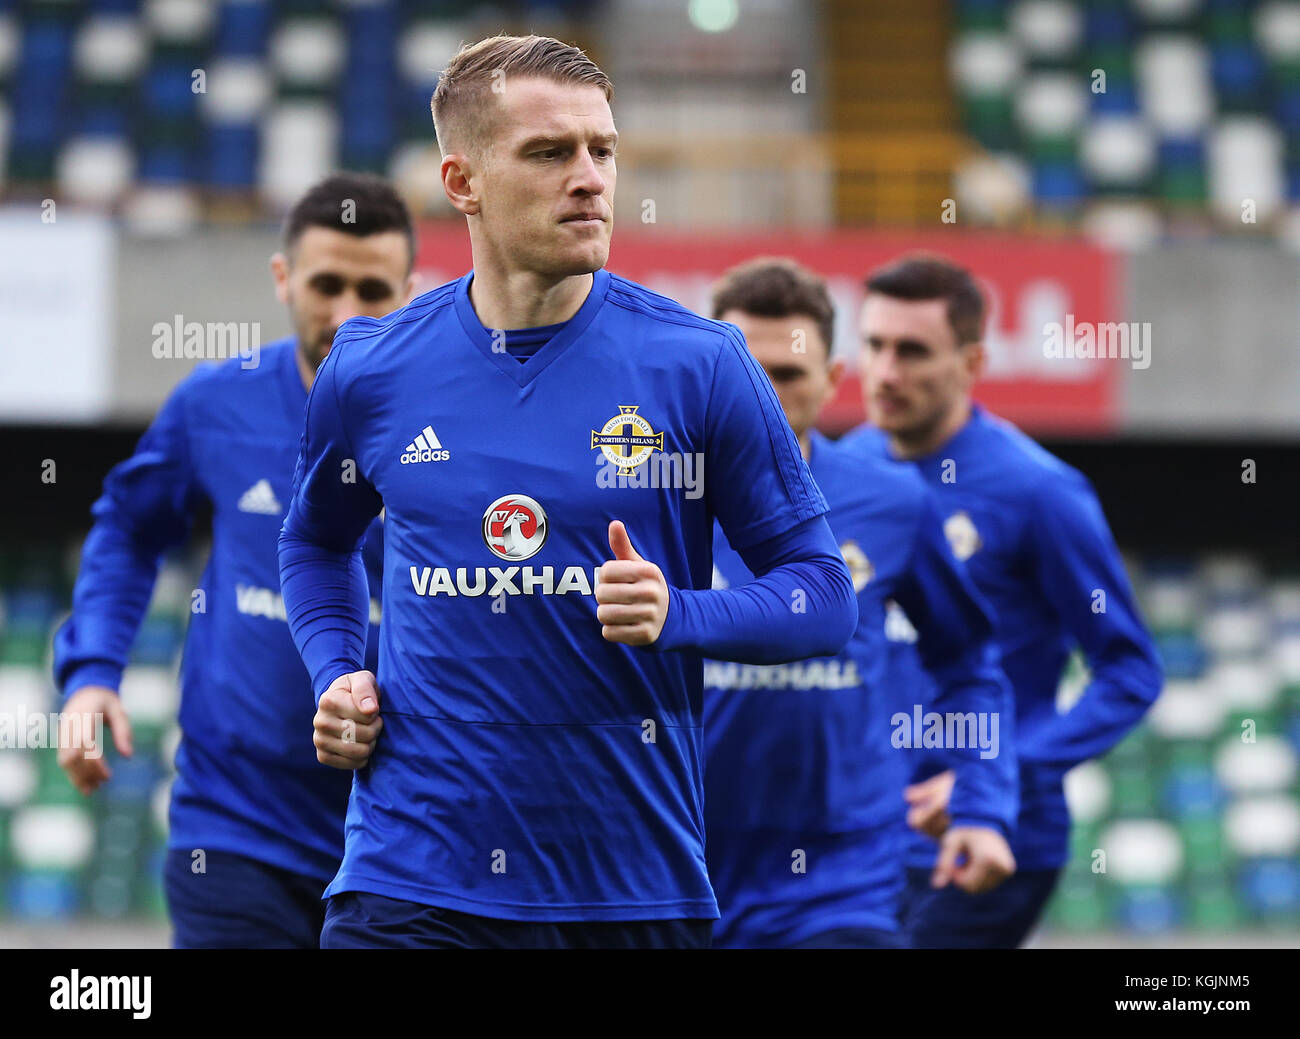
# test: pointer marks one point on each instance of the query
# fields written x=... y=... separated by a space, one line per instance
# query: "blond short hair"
x=459 y=102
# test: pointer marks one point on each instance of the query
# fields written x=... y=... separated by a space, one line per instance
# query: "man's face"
x=330 y=276
x=791 y=351
x=545 y=179
x=913 y=372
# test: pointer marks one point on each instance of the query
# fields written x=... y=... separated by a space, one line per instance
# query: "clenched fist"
x=347 y=721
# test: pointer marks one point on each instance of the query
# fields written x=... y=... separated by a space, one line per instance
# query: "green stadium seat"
x=1207 y=856
x=1081 y=905
x=1213 y=905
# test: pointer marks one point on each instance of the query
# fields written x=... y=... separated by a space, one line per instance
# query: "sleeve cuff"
x=95 y=672
x=670 y=634
x=987 y=822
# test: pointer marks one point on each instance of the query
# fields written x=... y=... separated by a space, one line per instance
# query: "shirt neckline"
x=526 y=372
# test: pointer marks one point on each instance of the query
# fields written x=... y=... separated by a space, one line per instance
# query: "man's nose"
x=882 y=366
x=346 y=305
x=588 y=179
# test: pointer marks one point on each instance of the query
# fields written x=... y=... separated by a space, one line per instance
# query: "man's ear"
x=974 y=361
x=280 y=273
x=456 y=170
x=835 y=374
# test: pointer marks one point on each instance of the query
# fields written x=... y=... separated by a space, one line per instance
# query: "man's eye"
x=327 y=286
x=373 y=291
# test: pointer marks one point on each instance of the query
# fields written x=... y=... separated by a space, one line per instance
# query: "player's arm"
x=323 y=576
x=1079 y=569
x=145 y=508
x=372 y=557
x=763 y=622
x=972 y=805
x=802 y=603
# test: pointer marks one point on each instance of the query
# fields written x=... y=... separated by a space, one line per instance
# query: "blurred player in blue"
x=551 y=444
x=256 y=823
x=1037 y=546
x=803 y=801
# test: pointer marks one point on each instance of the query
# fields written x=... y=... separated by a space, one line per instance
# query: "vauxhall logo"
x=515 y=527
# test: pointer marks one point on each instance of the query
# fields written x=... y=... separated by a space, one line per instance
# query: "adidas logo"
x=260 y=499
x=425 y=448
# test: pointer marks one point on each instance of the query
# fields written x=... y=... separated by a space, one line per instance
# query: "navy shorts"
x=359 y=920
x=854 y=938
x=240 y=903
x=949 y=918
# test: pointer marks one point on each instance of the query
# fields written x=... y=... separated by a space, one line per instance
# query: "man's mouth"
x=584 y=218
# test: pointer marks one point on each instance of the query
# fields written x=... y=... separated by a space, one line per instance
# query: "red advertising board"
x=1032 y=285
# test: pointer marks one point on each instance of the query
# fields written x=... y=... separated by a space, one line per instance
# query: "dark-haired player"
x=1037 y=546
x=803 y=792
x=256 y=823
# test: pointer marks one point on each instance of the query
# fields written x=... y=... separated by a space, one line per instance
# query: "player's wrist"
x=670 y=633
x=338 y=671
x=96 y=674
x=980 y=822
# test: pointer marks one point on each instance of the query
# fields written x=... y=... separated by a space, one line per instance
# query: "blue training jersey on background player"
x=247 y=778
x=803 y=776
x=1038 y=548
x=529 y=769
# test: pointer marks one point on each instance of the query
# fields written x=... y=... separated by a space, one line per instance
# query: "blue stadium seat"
x=1058 y=184
x=43 y=896
x=1271 y=887
x=1119 y=98
x=166 y=164
x=243 y=29
x=1149 y=910
x=102 y=121
x=41 y=86
x=1182 y=654
x=1238 y=72
x=134 y=778
x=1193 y=792
x=1107 y=23
x=168 y=91
x=232 y=156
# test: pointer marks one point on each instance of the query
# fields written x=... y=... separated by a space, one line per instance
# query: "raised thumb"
x=619 y=543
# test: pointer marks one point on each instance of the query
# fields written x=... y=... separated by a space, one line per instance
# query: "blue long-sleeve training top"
x=805 y=763
x=1036 y=543
x=528 y=768
x=247 y=777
